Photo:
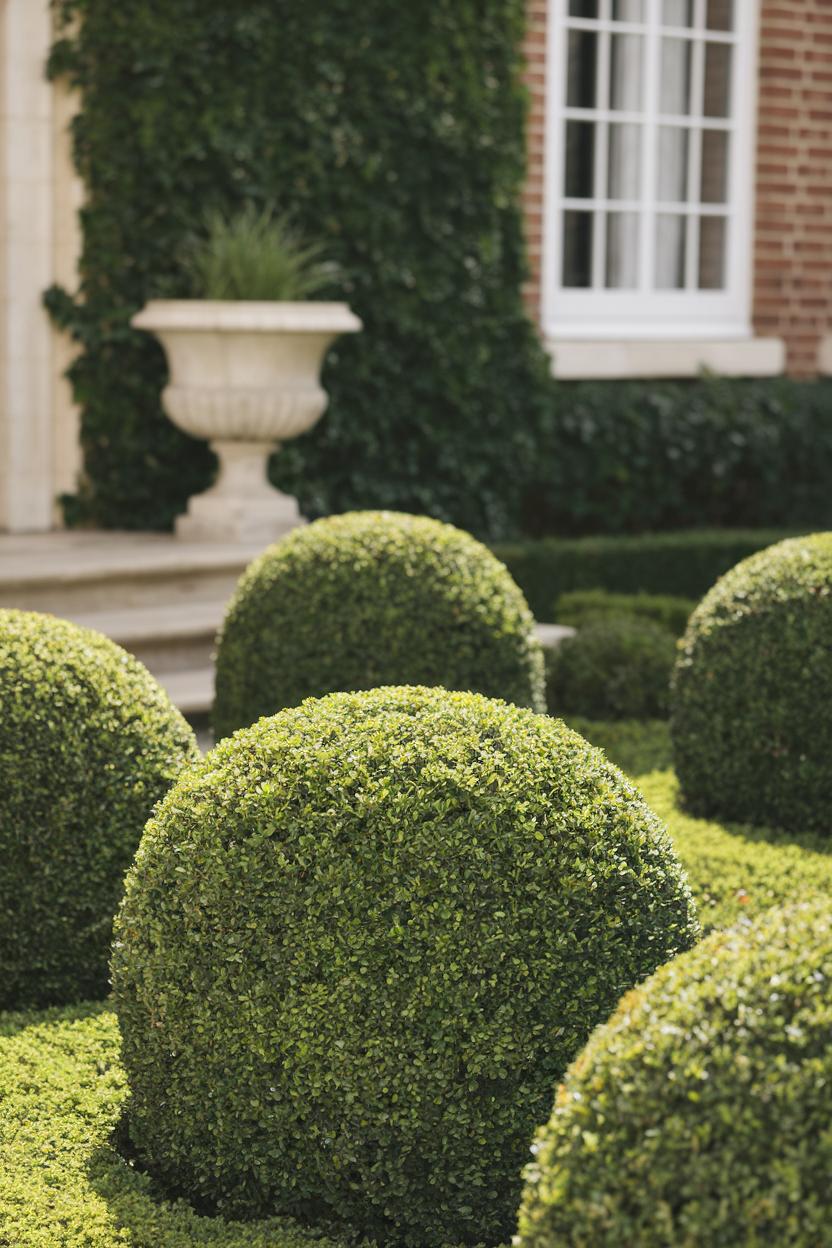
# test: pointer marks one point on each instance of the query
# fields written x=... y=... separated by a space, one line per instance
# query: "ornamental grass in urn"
x=245 y=357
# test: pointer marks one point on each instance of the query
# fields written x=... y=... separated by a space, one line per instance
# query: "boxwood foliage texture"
x=88 y=744
x=393 y=135
x=582 y=605
x=367 y=599
x=751 y=715
x=700 y=1113
x=360 y=944
x=616 y=668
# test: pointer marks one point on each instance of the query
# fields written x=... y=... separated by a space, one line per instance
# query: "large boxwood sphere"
x=751 y=708
x=360 y=943
x=700 y=1114
x=88 y=744
x=367 y=599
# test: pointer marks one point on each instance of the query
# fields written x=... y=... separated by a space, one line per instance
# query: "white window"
x=650 y=138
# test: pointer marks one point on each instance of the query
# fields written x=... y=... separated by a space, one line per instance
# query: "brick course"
x=793 y=228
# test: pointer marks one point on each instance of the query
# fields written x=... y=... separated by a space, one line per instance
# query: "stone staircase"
x=162 y=599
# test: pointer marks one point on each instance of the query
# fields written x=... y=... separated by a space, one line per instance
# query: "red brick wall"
x=793 y=239
x=793 y=248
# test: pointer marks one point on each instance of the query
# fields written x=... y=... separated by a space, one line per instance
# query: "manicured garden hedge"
x=394 y=134
x=373 y=598
x=372 y=931
x=89 y=742
x=682 y=564
x=699 y=1114
x=752 y=691
x=63 y=1182
x=579 y=606
x=617 y=668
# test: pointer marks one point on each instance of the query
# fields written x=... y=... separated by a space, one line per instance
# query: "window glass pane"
x=628 y=10
x=712 y=253
x=577 y=249
x=624 y=172
x=677 y=12
x=675 y=83
x=670 y=251
x=583 y=8
x=720 y=15
x=622 y=251
x=625 y=72
x=713 y=187
x=717 y=79
x=583 y=56
x=672 y=186
x=580 y=159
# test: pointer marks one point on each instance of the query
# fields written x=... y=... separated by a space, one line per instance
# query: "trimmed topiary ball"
x=359 y=945
x=88 y=744
x=618 y=668
x=700 y=1114
x=751 y=707
x=373 y=598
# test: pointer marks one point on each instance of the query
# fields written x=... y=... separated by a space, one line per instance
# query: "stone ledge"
x=574 y=360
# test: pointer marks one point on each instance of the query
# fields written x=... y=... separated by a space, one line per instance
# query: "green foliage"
x=252 y=254
x=637 y=746
x=368 y=599
x=737 y=870
x=583 y=605
x=371 y=932
x=393 y=135
x=88 y=743
x=699 y=1114
x=614 y=668
x=752 y=698
x=681 y=564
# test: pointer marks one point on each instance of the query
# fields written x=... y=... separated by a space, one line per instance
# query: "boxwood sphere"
x=361 y=942
x=88 y=743
x=700 y=1114
x=615 y=668
x=751 y=707
x=367 y=599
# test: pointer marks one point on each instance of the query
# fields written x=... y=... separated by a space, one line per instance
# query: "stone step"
x=166 y=638
x=192 y=690
x=77 y=573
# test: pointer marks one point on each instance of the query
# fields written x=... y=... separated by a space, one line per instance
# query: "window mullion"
x=697 y=111
x=649 y=138
x=599 y=186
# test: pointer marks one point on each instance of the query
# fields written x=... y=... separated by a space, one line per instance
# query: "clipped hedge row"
x=367 y=599
x=699 y=1114
x=616 y=668
x=89 y=742
x=373 y=930
x=684 y=564
x=63 y=1182
x=580 y=606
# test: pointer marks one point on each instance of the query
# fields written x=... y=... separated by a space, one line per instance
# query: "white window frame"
x=580 y=314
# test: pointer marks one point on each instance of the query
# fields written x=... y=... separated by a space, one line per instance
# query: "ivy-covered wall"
x=394 y=133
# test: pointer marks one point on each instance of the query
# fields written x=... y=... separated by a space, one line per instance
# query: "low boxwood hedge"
x=700 y=1113
x=367 y=599
x=683 y=564
x=360 y=943
x=615 y=668
x=63 y=1182
x=751 y=715
x=583 y=606
x=88 y=743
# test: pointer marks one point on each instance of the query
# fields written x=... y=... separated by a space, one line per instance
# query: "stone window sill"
x=825 y=356
x=574 y=359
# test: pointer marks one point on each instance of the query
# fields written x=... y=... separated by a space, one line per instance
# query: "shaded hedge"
x=368 y=599
x=580 y=606
x=370 y=933
x=751 y=704
x=699 y=1114
x=63 y=1183
x=89 y=742
x=616 y=668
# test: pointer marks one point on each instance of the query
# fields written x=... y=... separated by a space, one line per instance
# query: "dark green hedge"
x=684 y=564
x=372 y=931
x=63 y=1182
x=393 y=134
x=616 y=668
x=698 y=1116
x=578 y=607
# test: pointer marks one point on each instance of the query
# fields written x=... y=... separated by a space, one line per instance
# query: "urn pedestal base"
x=241 y=506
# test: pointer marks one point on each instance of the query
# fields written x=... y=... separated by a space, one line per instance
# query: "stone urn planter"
x=244 y=375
